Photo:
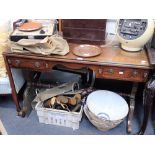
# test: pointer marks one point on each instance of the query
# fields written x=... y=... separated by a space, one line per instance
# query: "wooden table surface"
x=115 y=56
x=109 y=56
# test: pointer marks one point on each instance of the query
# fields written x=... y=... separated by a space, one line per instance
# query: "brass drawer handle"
x=145 y=75
x=9 y=61
x=37 y=64
x=46 y=65
x=111 y=71
x=100 y=71
x=17 y=62
x=134 y=73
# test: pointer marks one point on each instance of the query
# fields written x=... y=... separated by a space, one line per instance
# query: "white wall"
x=111 y=26
x=111 y=32
x=4 y=25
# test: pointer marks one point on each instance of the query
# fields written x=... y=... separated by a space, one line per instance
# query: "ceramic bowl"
x=107 y=105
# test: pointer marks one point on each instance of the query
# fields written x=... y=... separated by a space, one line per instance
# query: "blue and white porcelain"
x=107 y=105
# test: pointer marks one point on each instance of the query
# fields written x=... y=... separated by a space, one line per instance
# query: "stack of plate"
x=105 y=109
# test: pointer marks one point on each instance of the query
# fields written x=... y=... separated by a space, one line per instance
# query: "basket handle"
x=103 y=116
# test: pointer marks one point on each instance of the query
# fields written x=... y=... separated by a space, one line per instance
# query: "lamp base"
x=131 y=49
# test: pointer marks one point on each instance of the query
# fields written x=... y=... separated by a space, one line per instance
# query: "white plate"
x=107 y=105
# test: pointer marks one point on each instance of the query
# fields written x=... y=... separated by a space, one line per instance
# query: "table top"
x=151 y=55
x=109 y=56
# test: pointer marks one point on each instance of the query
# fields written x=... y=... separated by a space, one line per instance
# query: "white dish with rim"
x=107 y=105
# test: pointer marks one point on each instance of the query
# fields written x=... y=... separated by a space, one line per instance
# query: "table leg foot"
x=16 y=101
x=130 y=115
x=21 y=113
x=131 y=107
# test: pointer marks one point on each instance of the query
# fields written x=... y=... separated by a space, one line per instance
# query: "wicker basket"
x=101 y=124
x=59 y=117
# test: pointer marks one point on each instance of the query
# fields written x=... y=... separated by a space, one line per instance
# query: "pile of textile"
x=50 y=45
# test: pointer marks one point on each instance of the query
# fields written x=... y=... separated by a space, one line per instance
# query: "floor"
x=2 y=129
x=15 y=125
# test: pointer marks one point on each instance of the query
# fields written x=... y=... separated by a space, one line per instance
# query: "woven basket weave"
x=101 y=124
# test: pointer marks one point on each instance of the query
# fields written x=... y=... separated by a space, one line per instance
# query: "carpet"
x=2 y=129
x=15 y=125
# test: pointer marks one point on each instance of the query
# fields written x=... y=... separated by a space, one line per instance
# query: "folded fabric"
x=47 y=46
x=55 y=91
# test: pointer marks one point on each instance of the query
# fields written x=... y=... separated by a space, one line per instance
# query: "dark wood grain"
x=84 y=30
x=113 y=63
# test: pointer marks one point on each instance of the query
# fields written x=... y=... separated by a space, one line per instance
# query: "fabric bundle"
x=50 y=45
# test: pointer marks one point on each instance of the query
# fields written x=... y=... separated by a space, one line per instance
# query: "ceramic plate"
x=86 y=50
x=107 y=105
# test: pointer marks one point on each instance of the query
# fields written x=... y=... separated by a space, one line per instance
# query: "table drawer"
x=28 y=63
x=108 y=72
x=42 y=65
x=122 y=73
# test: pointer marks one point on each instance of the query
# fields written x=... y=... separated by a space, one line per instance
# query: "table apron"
x=102 y=71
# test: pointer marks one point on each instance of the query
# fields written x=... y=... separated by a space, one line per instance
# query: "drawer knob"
x=17 y=62
x=100 y=71
x=46 y=65
x=135 y=73
x=37 y=64
x=111 y=71
x=145 y=75
x=9 y=61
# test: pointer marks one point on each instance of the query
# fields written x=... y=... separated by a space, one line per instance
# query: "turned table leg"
x=148 y=96
x=132 y=106
x=147 y=110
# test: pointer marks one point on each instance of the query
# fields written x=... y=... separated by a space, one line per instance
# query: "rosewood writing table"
x=113 y=63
